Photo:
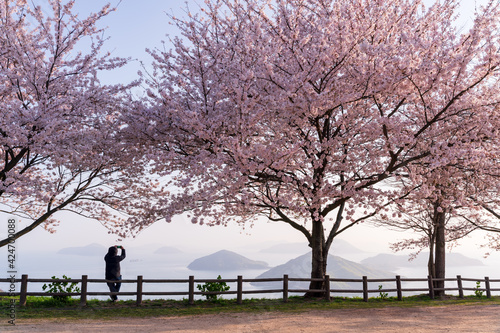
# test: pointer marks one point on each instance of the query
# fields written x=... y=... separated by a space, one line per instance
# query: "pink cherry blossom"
x=60 y=128
x=303 y=111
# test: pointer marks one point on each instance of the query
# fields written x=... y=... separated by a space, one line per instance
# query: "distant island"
x=225 y=261
x=337 y=267
x=339 y=247
x=168 y=250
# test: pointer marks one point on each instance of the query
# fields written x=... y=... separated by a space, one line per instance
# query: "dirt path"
x=452 y=318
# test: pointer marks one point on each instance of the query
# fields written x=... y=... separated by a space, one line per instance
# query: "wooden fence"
x=239 y=292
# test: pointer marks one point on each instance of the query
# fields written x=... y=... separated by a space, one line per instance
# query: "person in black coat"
x=113 y=269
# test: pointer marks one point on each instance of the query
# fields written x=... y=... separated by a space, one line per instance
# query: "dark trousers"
x=114 y=287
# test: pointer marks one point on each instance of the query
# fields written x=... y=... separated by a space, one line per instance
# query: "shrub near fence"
x=83 y=293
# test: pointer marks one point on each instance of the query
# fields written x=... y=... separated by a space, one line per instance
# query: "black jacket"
x=113 y=263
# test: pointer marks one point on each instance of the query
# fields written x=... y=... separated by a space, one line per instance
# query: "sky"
x=135 y=26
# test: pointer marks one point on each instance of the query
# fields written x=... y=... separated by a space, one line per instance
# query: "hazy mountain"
x=286 y=248
x=337 y=268
x=392 y=261
x=93 y=249
x=338 y=247
x=225 y=260
x=167 y=250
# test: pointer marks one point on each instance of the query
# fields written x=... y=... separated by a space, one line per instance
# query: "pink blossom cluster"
x=321 y=114
x=59 y=126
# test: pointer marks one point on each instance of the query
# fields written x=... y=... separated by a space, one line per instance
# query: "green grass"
x=47 y=307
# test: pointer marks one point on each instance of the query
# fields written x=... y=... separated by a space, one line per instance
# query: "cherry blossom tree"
x=439 y=220
x=59 y=129
x=301 y=110
x=449 y=202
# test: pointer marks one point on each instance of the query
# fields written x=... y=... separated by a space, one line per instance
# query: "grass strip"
x=49 y=308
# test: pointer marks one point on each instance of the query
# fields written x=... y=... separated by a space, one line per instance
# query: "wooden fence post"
x=431 y=286
x=460 y=288
x=83 y=291
x=398 y=287
x=138 y=300
x=285 y=288
x=487 y=286
x=239 y=295
x=327 y=288
x=365 y=288
x=24 y=290
x=191 y=289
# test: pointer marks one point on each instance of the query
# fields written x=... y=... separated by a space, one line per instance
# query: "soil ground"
x=449 y=318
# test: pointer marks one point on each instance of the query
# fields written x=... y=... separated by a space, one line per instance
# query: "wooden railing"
x=239 y=292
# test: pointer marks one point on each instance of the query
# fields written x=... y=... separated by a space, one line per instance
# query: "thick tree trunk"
x=440 y=254
x=319 y=260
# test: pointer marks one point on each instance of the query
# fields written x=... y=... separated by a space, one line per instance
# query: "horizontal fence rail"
x=284 y=281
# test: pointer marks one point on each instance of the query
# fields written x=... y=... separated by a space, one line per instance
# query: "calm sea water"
x=154 y=266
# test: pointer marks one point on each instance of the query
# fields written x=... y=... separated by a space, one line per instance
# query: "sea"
x=141 y=262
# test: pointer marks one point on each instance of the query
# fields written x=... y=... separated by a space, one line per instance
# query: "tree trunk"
x=431 y=267
x=319 y=260
x=440 y=253
x=431 y=271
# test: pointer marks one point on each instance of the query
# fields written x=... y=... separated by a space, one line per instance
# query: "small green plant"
x=478 y=291
x=382 y=295
x=212 y=287
x=61 y=287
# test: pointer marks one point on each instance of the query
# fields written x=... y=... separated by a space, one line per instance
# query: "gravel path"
x=452 y=318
